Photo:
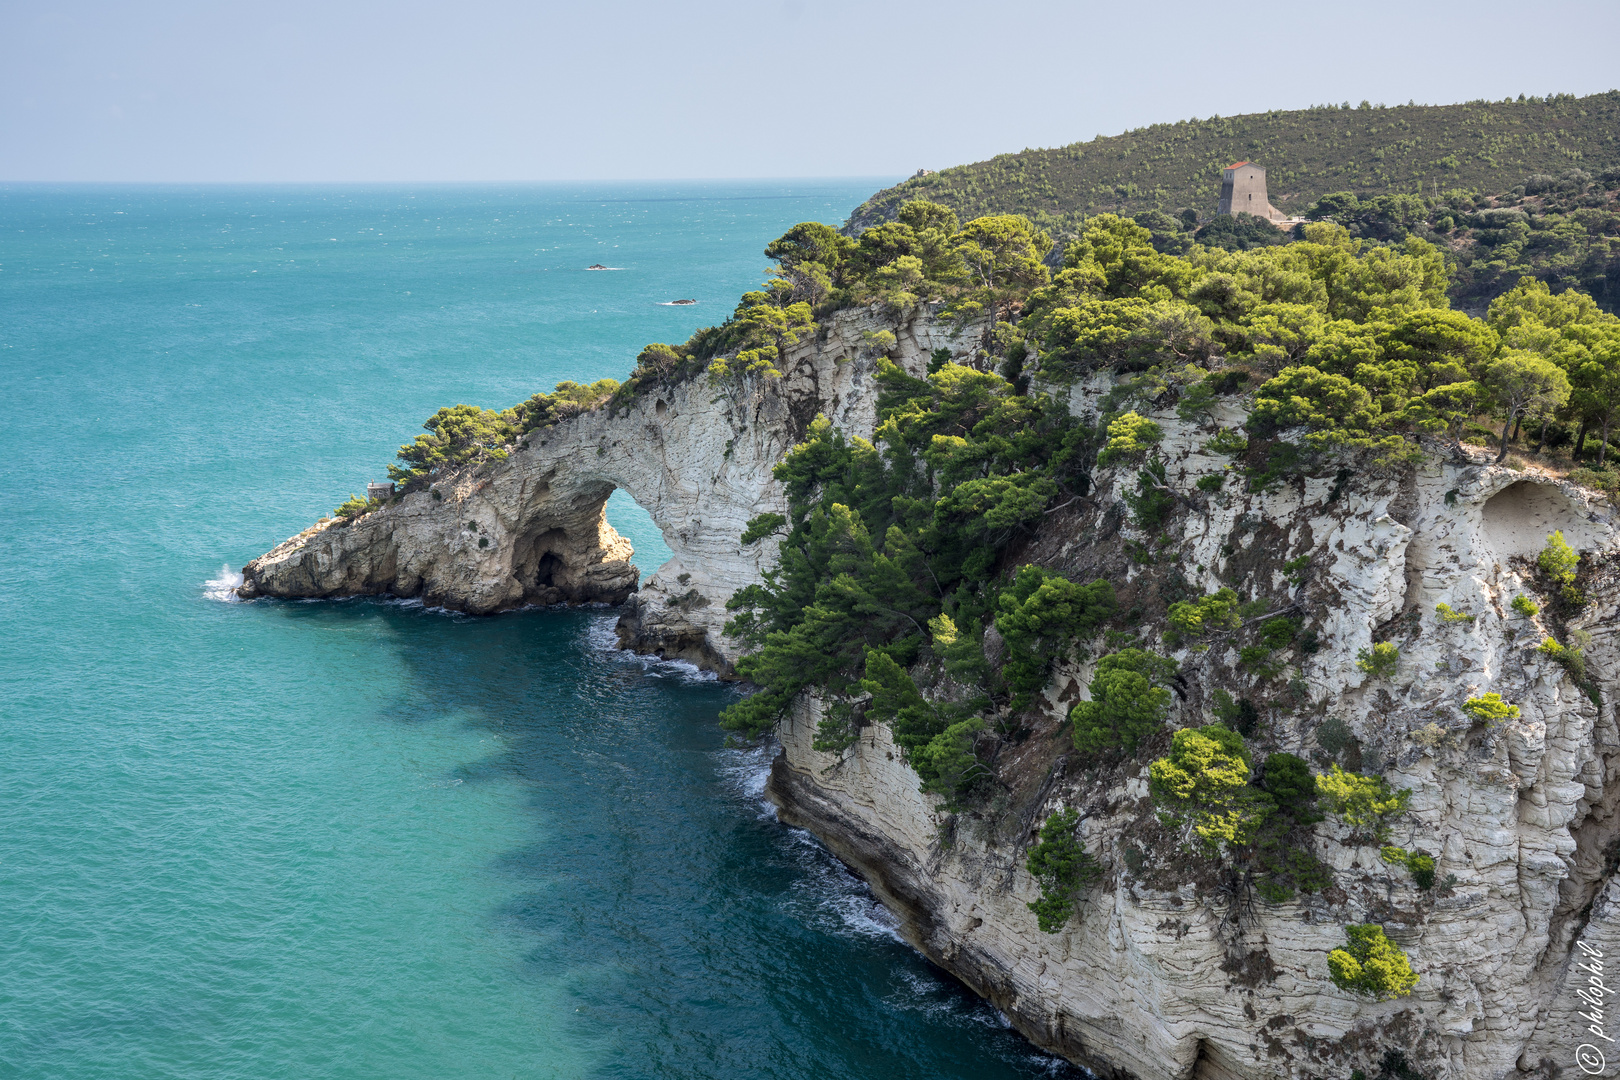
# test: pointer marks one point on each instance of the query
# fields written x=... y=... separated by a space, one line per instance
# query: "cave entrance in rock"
x=636 y=525
x=1517 y=520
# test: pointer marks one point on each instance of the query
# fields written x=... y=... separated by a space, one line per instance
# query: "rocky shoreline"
x=1161 y=974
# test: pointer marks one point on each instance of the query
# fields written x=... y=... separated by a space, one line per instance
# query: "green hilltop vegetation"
x=1562 y=230
x=1480 y=146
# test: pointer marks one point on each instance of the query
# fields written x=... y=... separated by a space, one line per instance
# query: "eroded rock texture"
x=1169 y=969
x=531 y=529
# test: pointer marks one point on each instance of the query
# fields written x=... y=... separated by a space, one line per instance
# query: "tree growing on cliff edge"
x=1128 y=701
x=1522 y=384
x=1004 y=251
x=1040 y=614
x=1062 y=868
x=1203 y=787
x=458 y=435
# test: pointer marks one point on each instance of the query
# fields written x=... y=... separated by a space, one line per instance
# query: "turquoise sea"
x=363 y=839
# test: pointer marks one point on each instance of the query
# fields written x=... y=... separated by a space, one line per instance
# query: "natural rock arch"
x=532 y=529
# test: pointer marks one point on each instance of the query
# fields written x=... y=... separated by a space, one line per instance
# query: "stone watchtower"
x=1243 y=191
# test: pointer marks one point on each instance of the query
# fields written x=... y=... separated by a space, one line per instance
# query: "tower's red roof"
x=1236 y=165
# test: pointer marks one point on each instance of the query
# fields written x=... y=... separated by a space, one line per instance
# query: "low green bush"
x=1420 y=864
x=1380 y=661
x=1239 y=714
x=1363 y=802
x=1282 y=869
x=1203 y=787
x=1370 y=964
x=1449 y=616
x=1194 y=620
x=1226 y=441
x=1130 y=438
x=1335 y=736
x=1573 y=661
x=1490 y=709
x=1558 y=560
x=1526 y=606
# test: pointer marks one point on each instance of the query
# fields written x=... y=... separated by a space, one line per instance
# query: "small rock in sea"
x=681 y=303
x=596 y=266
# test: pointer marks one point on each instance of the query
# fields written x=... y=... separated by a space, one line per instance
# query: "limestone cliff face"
x=1207 y=980
x=1165 y=972
x=531 y=529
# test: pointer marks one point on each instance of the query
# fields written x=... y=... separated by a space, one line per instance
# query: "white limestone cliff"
x=1153 y=978
x=532 y=529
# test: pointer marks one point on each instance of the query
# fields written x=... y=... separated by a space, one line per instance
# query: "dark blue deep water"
x=361 y=839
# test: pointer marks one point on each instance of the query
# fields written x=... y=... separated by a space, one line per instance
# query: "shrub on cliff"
x=1572 y=660
x=1128 y=701
x=1063 y=869
x=1370 y=964
x=1203 y=787
x=1560 y=562
x=1039 y=615
x=1489 y=709
x=1557 y=559
x=1130 y=438
x=1192 y=620
x=1364 y=802
x=1380 y=661
x=1420 y=864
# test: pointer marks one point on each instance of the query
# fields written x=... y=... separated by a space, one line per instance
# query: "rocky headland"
x=1169 y=968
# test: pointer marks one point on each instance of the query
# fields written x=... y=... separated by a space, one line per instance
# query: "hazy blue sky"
x=502 y=90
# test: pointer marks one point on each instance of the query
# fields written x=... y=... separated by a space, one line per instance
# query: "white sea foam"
x=602 y=638
x=841 y=902
x=744 y=771
x=223 y=588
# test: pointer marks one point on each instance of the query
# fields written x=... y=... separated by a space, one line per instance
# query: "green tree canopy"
x=1203 y=785
x=1128 y=701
